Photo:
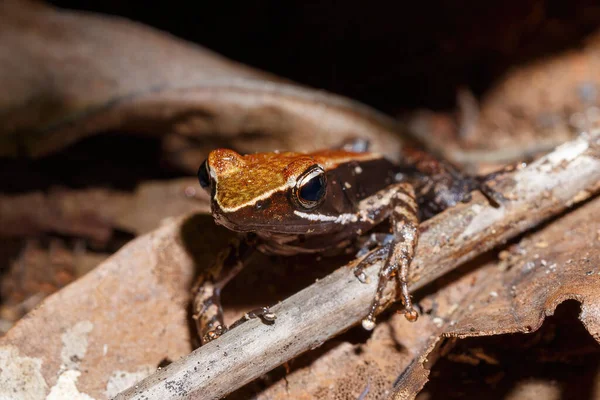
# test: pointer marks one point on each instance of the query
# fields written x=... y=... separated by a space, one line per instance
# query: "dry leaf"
x=39 y=270
x=154 y=83
x=516 y=295
x=498 y=298
x=531 y=110
x=95 y=213
x=116 y=324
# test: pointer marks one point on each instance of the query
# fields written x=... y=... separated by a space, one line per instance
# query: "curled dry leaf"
x=154 y=83
x=508 y=296
x=97 y=219
x=116 y=324
x=560 y=262
x=38 y=270
x=532 y=109
x=515 y=295
x=95 y=213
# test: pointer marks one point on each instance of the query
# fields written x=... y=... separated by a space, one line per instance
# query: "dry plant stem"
x=543 y=189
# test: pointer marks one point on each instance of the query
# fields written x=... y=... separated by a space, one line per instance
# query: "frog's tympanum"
x=290 y=203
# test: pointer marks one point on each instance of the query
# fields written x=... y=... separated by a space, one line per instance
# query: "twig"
x=535 y=193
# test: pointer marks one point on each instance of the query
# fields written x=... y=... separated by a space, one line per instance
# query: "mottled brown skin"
x=262 y=195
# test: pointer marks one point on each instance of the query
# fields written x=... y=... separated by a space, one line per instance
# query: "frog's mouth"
x=297 y=227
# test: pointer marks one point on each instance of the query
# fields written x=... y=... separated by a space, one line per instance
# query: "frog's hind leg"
x=206 y=305
x=399 y=252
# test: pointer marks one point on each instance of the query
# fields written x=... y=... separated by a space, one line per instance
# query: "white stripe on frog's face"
x=378 y=201
x=339 y=219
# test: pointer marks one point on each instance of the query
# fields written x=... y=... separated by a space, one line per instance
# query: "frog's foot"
x=264 y=313
x=494 y=197
x=385 y=275
x=482 y=184
x=208 y=312
x=214 y=334
x=441 y=185
x=376 y=255
x=206 y=306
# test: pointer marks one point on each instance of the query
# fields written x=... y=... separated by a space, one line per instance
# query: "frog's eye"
x=203 y=176
x=310 y=189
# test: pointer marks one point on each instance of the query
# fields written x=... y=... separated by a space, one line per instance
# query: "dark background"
x=393 y=55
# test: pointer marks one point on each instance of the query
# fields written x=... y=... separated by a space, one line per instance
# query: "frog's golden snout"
x=225 y=161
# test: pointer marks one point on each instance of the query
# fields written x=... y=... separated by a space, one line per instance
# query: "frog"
x=287 y=203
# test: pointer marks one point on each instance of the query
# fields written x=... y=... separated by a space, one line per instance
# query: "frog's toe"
x=368 y=324
x=373 y=240
x=371 y=258
x=214 y=334
x=411 y=315
x=361 y=276
x=495 y=198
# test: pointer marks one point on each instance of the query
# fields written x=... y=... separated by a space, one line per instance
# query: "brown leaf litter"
x=118 y=323
x=532 y=109
x=499 y=298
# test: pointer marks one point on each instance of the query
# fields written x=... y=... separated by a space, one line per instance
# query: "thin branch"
x=307 y=319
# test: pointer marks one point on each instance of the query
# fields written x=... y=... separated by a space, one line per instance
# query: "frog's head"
x=275 y=192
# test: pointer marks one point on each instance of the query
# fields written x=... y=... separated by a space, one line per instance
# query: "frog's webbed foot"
x=397 y=253
x=482 y=183
x=206 y=305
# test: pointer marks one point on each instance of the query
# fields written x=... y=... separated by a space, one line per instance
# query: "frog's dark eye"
x=310 y=189
x=203 y=177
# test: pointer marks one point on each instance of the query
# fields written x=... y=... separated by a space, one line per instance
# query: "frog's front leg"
x=397 y=253
x=206 y=306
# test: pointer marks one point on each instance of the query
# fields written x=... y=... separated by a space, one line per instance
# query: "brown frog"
x=287 y=203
